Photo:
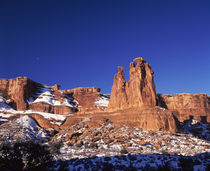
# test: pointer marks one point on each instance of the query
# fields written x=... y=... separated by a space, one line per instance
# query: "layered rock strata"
x=186 y=106
x=85 y=98
x=18 y=90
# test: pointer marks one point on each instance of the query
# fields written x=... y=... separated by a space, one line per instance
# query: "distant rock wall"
x=185 y=106
x=82 y=90
x=85 y=98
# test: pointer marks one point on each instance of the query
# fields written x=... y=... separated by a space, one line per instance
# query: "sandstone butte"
x=136 y=100
x=133 y=103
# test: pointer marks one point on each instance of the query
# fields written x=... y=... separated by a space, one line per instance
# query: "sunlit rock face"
x=186 y=106
x=18 y=90
x=134 y=102
x=138 y=91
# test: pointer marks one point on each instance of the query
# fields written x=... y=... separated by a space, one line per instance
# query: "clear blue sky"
x=80 y=43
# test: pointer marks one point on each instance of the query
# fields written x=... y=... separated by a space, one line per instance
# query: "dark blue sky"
x=80 y=43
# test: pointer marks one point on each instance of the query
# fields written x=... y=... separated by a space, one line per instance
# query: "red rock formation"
x=61 y=109
x=134 y=102
x=85 y=96
x=186 y=105
x=141 y=86
x=41 y=107
x=48 y=108
x=138 y=91
x=82 y=90
x=118 y=98
x=18 y=90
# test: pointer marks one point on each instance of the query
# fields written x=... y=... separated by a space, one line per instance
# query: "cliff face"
x=86 y=98
x=134 y=102
x=138 y=91
x=185 y=106
x=141 y=87
x=119 y=98
x=18 y=90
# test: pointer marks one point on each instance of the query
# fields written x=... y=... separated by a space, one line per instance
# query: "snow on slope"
x=57 y=117
x=23 y=129
x=4 y=106
x=46 y=96
x=199 y=129
x=6 y=112
x=102 y=101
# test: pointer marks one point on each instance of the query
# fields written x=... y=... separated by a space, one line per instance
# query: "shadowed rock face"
x=185 y=106
x=138 y=91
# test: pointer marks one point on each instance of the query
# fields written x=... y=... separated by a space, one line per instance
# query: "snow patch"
x=102 y=101
x=4 y=107
x=47 y=97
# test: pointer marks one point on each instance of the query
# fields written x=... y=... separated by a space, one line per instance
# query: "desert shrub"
x=86 y=144
x=80 y=144
x=54 y=147
x=93 y=145
x=123 y=151
x=24 y=156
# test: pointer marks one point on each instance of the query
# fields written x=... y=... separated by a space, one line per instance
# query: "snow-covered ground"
x=130 y=148
x=58 y=119
x=4 y=107
x=145 y=162
x=23 y=128
x=6 y=112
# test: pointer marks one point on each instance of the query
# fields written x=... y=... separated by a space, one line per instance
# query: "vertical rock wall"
x=138 y=91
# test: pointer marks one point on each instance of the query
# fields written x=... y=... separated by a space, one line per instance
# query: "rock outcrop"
x=18 y=90
x=60 y=103
x=85 y=98
x=134 y=102
x=138 y=91
x=119 y=97
x=185 y=106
